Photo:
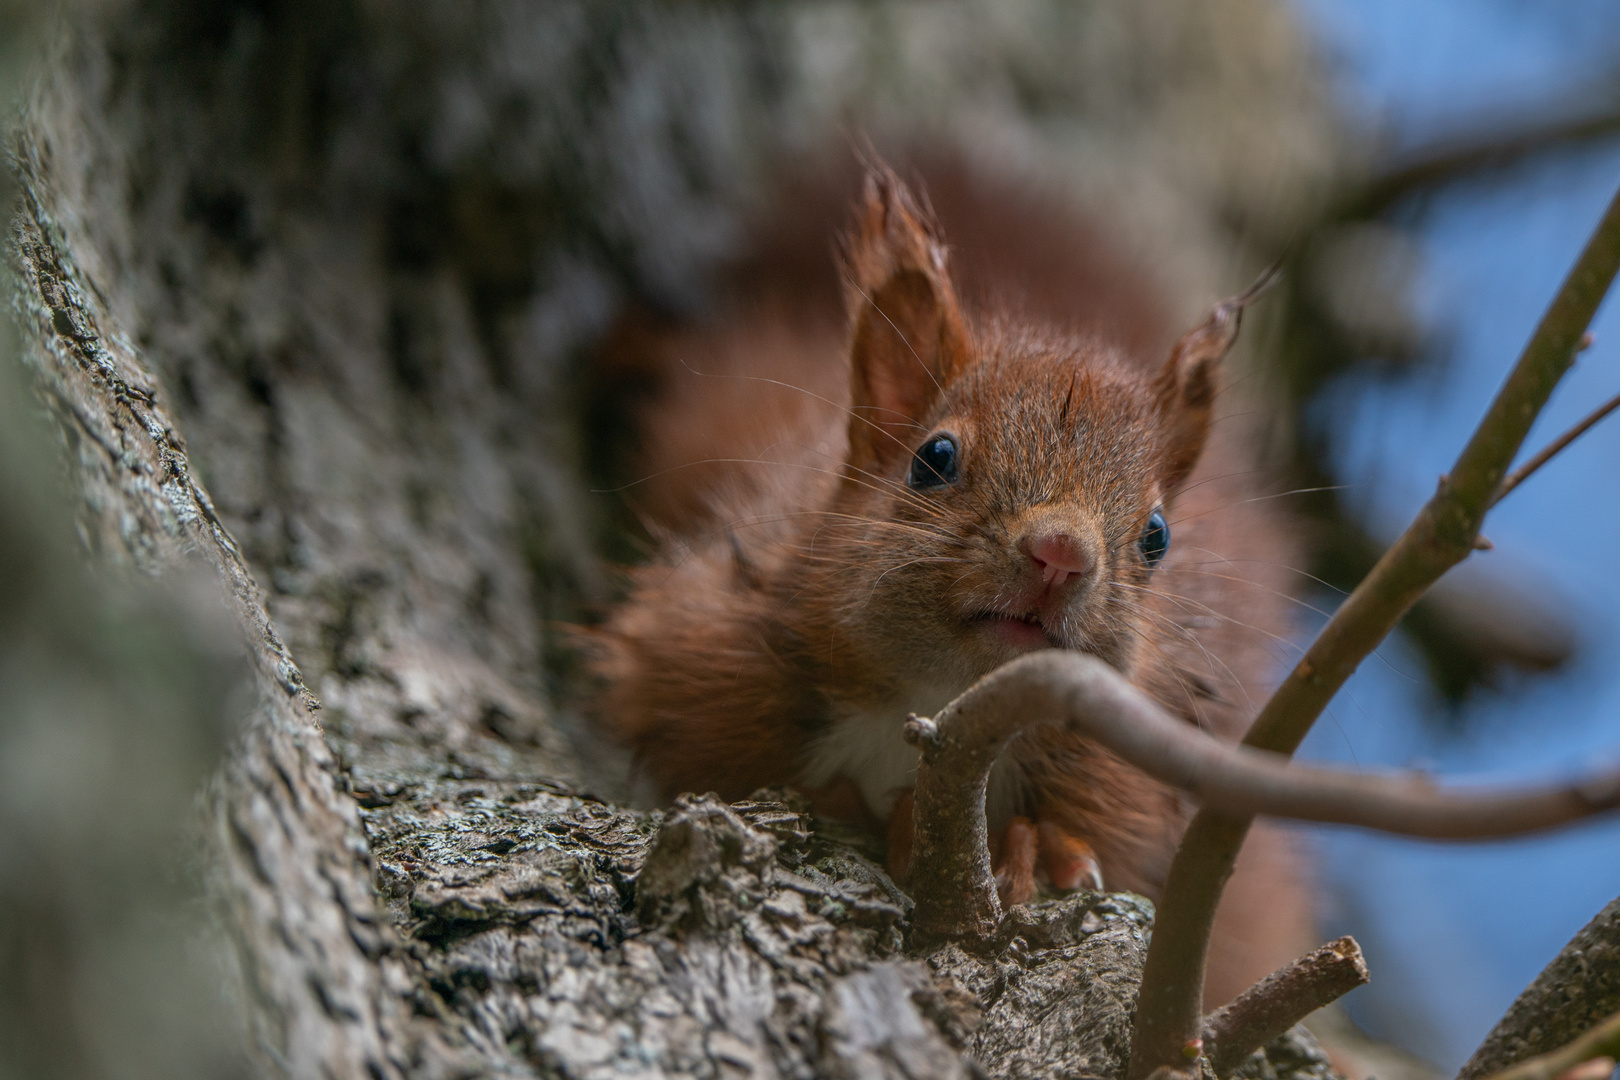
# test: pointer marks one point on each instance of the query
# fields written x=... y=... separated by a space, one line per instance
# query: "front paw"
x=1068 y=862
x=1014 y=862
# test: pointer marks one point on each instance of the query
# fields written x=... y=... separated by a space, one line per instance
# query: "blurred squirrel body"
x=864 y=512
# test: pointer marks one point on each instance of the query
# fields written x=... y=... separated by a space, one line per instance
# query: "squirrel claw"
x=1068 y=862
x=1065 y=862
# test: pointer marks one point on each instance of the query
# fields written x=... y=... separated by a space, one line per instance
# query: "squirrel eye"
x=934 y=463
x=1155 y=539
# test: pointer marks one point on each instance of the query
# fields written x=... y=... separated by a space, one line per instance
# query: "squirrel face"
x=1027 y=515
x=1004 y=490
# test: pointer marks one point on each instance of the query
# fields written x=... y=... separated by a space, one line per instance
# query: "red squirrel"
x=956 y=488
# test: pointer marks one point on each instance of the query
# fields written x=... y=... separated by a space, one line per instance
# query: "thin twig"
x=1598 y=1068
x=1169 y=1010
x=1523 y=472
x=1281 y=1000
x=1444 y=163
x=1601 y=1041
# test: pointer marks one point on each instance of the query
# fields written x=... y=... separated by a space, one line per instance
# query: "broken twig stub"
x=1281 y=1000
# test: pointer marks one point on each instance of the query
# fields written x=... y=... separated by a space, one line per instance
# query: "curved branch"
x=951 y=865
x=950 y=877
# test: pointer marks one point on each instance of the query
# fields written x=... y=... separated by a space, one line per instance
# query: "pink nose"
x=1058 y=555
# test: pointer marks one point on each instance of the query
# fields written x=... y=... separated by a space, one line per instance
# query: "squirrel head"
x=1004 y=487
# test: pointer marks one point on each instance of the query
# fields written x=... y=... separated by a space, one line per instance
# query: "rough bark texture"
x=1578 y=989
x=350 y=254
x=291 y=863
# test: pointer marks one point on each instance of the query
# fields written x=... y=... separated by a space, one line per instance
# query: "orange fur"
x=808 y=598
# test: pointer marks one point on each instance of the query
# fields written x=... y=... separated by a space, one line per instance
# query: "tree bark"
x=1578 y=989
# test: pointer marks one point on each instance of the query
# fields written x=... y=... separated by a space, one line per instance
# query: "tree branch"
x=1553 y=449
x=1575 y=992
x=1602 y=1041
x=1281 y=1000
x=1450 y=161
x=1169 y=1009
x=951 y=878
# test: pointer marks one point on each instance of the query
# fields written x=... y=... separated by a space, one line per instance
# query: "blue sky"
x=1454 y=932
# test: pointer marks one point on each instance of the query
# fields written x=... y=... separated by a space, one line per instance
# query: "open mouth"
x=1020 y=631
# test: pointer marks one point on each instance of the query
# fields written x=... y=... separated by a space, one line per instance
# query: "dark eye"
x=1155 y=539
x=934 y=463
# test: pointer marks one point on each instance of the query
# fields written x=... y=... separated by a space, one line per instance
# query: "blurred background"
x=1453 y=933
x=371 y=201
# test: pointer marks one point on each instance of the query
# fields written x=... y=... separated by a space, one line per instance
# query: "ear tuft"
x=908 y=340
x=894 y=230
x=1188 y=381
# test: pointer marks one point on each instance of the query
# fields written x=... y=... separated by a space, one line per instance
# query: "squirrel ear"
x=1186 y=385
x=909 y=340
x=1186 y=390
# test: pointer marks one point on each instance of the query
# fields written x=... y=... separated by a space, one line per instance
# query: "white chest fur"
x=869 y=748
